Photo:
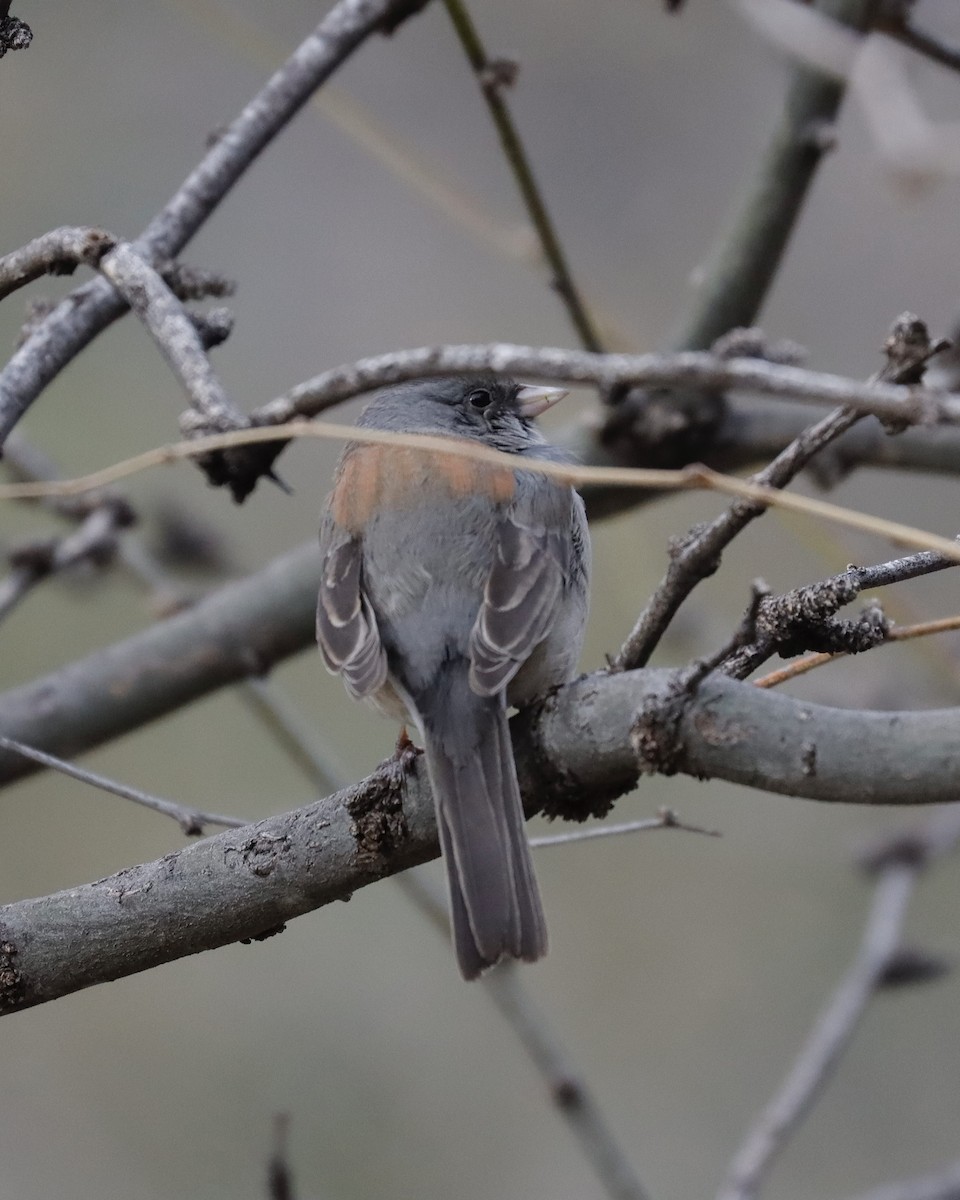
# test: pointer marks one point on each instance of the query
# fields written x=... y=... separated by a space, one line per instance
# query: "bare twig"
x=554 y=365
x=568 y=1089
x=898 y=570
x=801 y=619
x=91 y=308
x=697 y=556
x=694 y=477
x=190 y=820
x=94 y=540
x=666 y=819
x=55 y=253
x=899 y=633
x=745 y=634
x=153 y=302
x=492 y=87
x=900 y=26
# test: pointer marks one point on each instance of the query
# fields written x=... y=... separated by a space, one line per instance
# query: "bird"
x=452 y=589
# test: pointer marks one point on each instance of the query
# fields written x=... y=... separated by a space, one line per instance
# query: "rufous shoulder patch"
x=372 y=478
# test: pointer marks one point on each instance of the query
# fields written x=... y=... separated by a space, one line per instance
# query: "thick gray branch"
x=726 y=730
x=244 y=883
x=239 y=631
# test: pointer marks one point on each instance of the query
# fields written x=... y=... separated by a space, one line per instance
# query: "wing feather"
x=347 y=630
x=520 y=602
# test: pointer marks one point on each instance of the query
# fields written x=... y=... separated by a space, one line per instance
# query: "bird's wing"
x=346 y=623
x=522 y=594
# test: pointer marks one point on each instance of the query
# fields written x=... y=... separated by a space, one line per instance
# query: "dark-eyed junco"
x=452 y=588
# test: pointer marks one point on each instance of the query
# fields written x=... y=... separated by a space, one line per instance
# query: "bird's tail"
x=495 y=904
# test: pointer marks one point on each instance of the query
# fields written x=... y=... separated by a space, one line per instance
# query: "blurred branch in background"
x=939 y=1185
x=190 y=820
x=94 y=541
x=880 y=962
x=747 y=258
x=917 y=149
x=567 y=1088
x=279 y=1174
x=631 y=478
x=896 y=19
x=669 y=425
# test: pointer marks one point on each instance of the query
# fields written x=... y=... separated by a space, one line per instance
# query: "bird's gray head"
x=496 y=411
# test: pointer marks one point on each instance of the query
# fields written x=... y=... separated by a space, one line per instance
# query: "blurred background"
x=684 y=970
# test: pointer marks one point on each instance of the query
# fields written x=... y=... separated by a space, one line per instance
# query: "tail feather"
x=494 y=900
x=469 y=958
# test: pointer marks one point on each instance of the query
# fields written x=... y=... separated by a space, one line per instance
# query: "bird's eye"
x=479 y=400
